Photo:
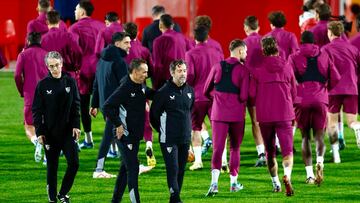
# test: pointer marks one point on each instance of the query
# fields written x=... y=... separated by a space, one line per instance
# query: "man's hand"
x=93 y=112
x=119 y=132
x=76 y=133
x=41 y=139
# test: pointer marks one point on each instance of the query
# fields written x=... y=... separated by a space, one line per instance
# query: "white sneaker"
x=196 y=166
x=103 y=174
x=144 y=169
x=37 y=153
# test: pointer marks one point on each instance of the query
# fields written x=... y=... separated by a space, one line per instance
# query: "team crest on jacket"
x=189 y=95
x=67 y=89
x=169 y=149
x=132 y=94
x=172 y=97
x=130 y=146
x=47 y=147
x=143 y=89
x=48 y=91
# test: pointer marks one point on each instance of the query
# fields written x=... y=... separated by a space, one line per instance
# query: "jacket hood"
x=309 y=50
x=112 y=53
x=274 y=63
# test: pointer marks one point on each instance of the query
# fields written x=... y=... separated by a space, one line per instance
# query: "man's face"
x=243 y=53
x=179 y=74
x=79 y=12
x=55 y=67
x=124 y=44
x=141 y=74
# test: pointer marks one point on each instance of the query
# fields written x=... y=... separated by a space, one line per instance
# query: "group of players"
x=281 y=83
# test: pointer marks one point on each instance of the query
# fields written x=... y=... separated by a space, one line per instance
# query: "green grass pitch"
x=23 y=180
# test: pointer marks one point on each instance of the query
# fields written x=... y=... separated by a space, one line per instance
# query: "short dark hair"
x=336 y=27
x=87 y=6
x=112 y=16
x=269 y=46
x=132 y=29
x=157 y=9
x=277 y=19
x=167 y=20
x=118 y=36
x=176 y=63
x=252 y=22
x=135 y=64
x=236 y=43
x=201 y=33
x=53 y=17
x=307 y=37
x=34 y=38
x=44 y=5
x=203 y=21
x=324 y=11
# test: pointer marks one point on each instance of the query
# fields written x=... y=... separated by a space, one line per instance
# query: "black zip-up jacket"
x=170 y=113
x=56 y=106
x=110 y=69
x=126 y=107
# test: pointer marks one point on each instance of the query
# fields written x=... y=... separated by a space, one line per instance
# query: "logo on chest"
x=189 y=95
x=67 y=89
x=172 y=97
x=132 y=94
x=48 y=91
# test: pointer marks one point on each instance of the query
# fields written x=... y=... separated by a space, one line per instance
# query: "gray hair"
x=53 y=55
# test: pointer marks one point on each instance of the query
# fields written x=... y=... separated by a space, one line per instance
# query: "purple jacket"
x=254 y=52
x=313 y=92
x=39 y=25
x=169 y=46
x=320 y=33
x=355 y=40
x=228 y=107
x=346 y=59
x=199 y=61
x=64 y=43
x=286 y=40
x=212 y=43
x=85 y=32
x=105 y=35
x=273 y=87
x=30 y=68
x=138 y=51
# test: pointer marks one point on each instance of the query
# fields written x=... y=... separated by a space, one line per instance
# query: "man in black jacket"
x=125 y=109
x=56 y=113
x=170 y=115
x=110 y=69
x=152 y=31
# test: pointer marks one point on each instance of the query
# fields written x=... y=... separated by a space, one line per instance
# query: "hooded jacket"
x=273 y=87
x=110 y=69
x=313 y=91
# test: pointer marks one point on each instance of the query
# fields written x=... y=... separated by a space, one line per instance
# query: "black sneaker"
x=63 y=198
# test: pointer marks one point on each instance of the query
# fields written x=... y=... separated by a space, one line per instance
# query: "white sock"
x=309 y=171
x=34 y=140
x=148 y=144
x=336 y=154
x=233 y=179
x=294 y=130
x=275 y=181
x=320 y=159
x=277 y=143
x=341 y=130
x=88 y=137
x=197 y=153
x=287 y=172
x=223 y=157
x=204 y=134
x=260 y=149
x=215 y=173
